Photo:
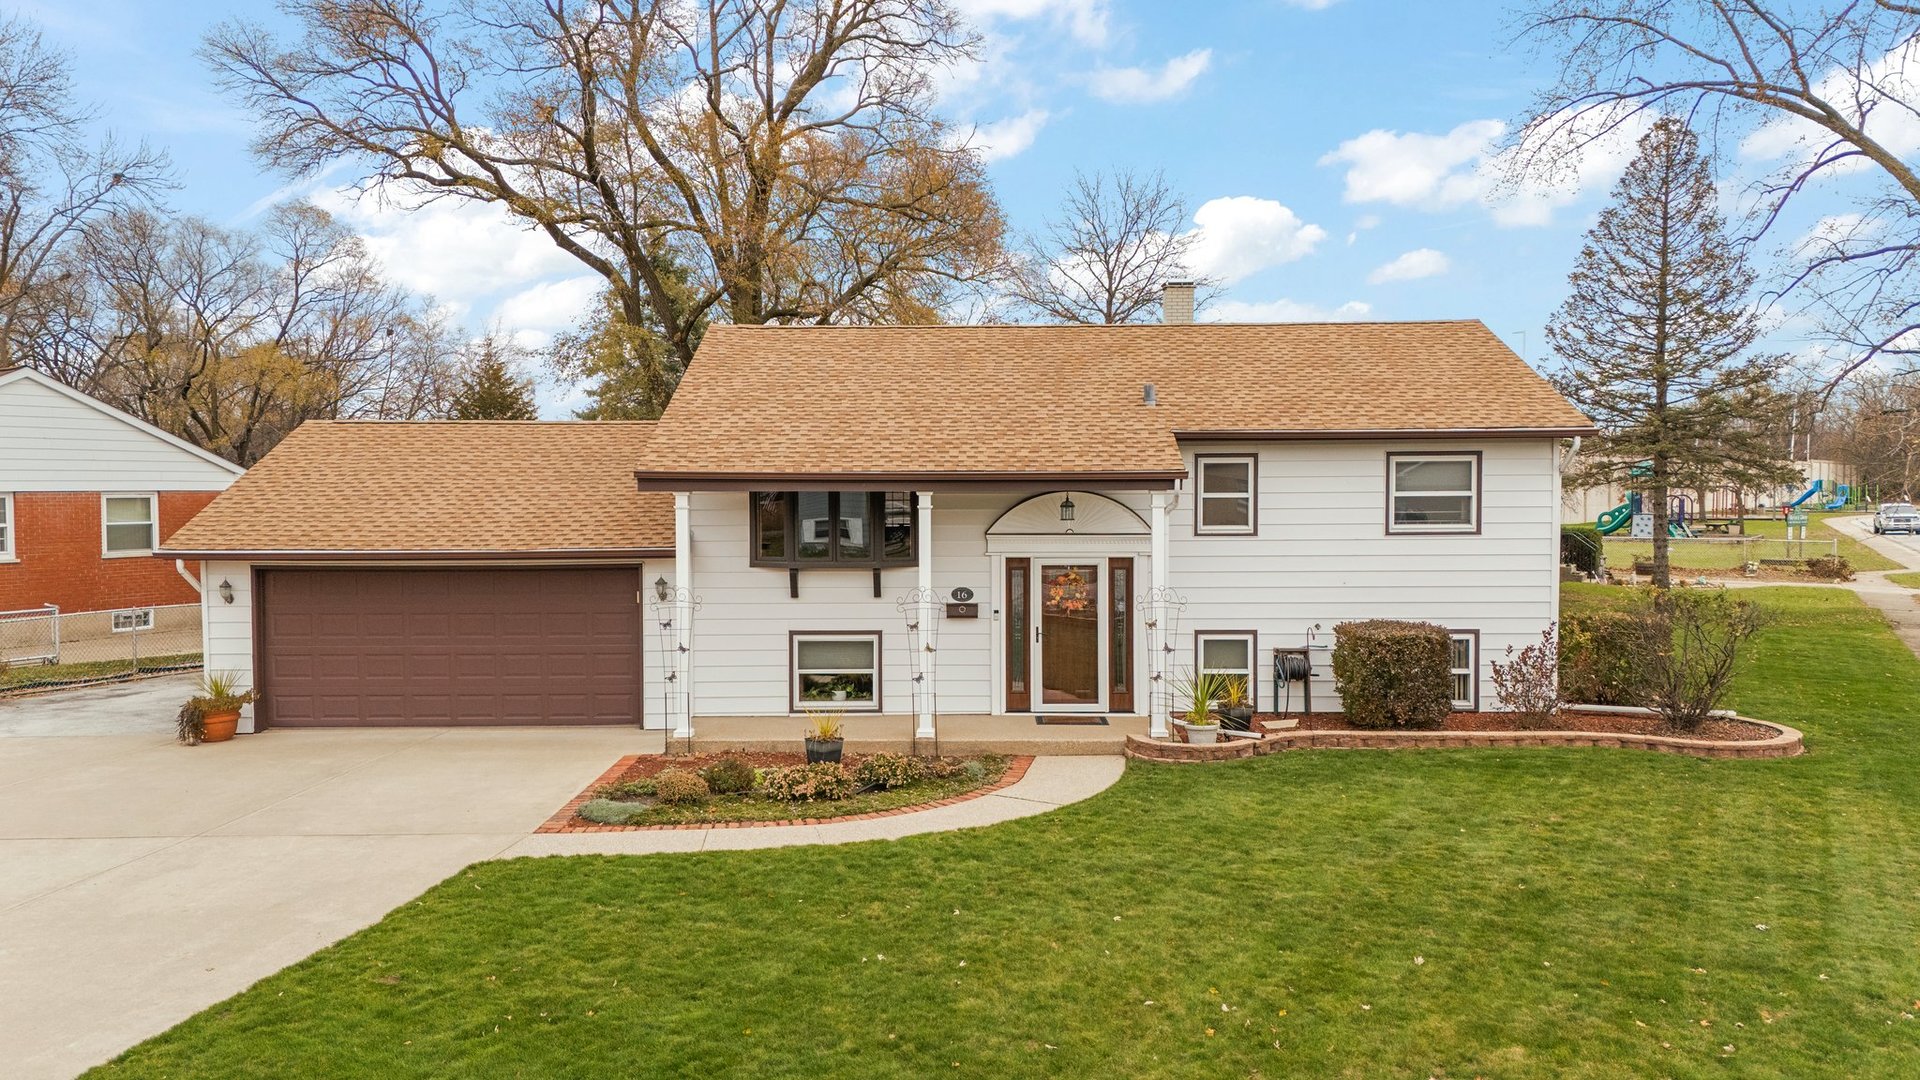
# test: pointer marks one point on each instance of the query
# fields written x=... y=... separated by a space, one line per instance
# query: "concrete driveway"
x=141 y=881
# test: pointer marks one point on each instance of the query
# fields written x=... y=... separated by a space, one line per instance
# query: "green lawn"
x=1558 y=913
x=1719 y=555
x=23 y=675
x=1911 y=579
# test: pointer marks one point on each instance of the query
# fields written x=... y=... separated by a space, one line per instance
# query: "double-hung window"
x=1227 y=653
x=1464 y=667
x=836 y=671
x=6 y=527
x=1225 y=486
x=128 y=524
x=1433 y=493
x=799 y=529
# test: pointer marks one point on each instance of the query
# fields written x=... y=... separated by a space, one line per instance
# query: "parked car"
x=1896 y=517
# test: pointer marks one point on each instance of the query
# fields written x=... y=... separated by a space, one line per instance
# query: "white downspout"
x=683 y=605
x=180 y=567
x=929 y=664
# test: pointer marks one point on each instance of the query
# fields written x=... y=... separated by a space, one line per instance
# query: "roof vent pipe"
x=1147 y=395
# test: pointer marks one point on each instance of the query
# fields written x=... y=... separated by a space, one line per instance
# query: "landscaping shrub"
x=1599 y=658
x=610 y=812
x=626 y=790
x=676 y=786
x=822 y=780
x=888 y=771
x=946 y=768
x=1528 y=681
x=731 y=775
x=1583 y=548
x=1693 y=649
x=1393 y=674
x=1831 y=568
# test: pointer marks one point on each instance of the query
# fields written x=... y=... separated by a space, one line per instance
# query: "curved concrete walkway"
x=1050 y=782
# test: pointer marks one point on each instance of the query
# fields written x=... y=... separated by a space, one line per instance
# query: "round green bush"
x=676 y=786
x=731 y=775
x=1393 y=674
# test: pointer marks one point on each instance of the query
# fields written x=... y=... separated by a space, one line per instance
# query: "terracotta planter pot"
x=219 y=727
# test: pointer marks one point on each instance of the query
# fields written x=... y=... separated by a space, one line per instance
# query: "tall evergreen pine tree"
x=1654 y=340
x=490 y=390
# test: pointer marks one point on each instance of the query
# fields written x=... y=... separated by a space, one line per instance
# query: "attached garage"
x=432 y=647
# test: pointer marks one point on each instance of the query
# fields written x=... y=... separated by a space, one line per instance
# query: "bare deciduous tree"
x=1835 y=79
x=1104 y=257
x=52 y=182
x=230 y=339
x=785 y=153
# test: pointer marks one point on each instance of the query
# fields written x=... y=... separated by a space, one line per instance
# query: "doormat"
x=1071 y=721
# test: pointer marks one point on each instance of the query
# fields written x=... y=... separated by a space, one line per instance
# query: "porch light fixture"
x=661 y=590
x=226 y=591
x=1066 y=508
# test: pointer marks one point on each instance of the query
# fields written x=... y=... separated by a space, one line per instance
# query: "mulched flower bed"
x=1714 y=730
x=733 y=811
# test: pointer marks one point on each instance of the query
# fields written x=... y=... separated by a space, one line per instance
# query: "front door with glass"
x=1069 y=647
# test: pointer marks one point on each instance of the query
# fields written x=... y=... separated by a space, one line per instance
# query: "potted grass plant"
x=824 y=738
x=1236 y=704
x=213 y=714
x=1201 y=694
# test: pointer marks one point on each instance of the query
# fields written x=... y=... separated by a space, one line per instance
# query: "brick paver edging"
x=1786 y=744
x=563 y=820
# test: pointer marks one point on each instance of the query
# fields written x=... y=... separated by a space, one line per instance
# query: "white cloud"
x=1133 y=85
x=1086 y=20
x=1005 y=138
x=460 y=252
x=1283 y=311
x=1240 y=235
x=1412 y=266
x=535 y=314
x=1464 y=166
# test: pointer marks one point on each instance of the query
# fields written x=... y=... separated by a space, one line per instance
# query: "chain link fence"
x=1720 y=552
x=46 y=647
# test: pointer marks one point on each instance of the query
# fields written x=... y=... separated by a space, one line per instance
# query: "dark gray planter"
x=819 y=750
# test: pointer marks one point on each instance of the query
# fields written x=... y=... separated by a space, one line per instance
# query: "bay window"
x=799 y=529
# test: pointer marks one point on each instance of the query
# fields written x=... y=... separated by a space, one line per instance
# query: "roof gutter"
x=1001 y=480
x=365 y=555
x=1225 y=434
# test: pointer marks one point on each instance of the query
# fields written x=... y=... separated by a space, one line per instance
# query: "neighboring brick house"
x=86 y=493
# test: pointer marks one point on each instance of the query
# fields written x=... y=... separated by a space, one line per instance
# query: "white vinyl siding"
x=129 y=523
x=51 y=442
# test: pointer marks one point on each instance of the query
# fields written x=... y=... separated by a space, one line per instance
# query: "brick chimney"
x=1176 y=303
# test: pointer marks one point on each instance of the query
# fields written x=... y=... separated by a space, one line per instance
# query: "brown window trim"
x=1474 y=681
x=1479 y=492
x=1253 y=658
x=879 y=670
x=876 y=510
x=1253 y=494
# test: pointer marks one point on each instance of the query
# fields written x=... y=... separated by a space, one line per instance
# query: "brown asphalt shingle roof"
x=498 y=488
x=1062 y=400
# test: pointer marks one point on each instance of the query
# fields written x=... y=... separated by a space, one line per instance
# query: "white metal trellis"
x=1161 y=608
x=672 y=620
x=923 y=610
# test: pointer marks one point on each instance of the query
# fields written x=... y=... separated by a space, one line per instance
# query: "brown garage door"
x=407 y=647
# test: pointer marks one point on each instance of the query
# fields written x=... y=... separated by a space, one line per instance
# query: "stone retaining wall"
x=1785 y=744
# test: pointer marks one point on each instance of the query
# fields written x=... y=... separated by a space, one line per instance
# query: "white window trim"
x=153 y=523
x=1250 y=496
x=1252 y=670
x=142 y=620
x=794 y=672
x=1472 y=492
x=9 y=528
x=1471 y=703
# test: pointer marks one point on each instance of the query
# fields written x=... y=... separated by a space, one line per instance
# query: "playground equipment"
x=1679 y=516
x=1840 y=498
x=1817 y=488
x=1612 y=521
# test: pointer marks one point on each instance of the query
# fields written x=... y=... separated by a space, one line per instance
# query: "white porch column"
x=1158 y=697
x=683 y=606
x=930 y=664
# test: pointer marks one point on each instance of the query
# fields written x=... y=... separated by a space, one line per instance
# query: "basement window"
x=836 y=671
x=132 y=619
x=1464 y=667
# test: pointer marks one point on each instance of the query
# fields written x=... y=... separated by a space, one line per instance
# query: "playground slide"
x=1841 y=498
x=1612 y=521
x=1817 y=488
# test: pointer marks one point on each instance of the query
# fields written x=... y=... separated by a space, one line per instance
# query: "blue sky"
x=1334 y=152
